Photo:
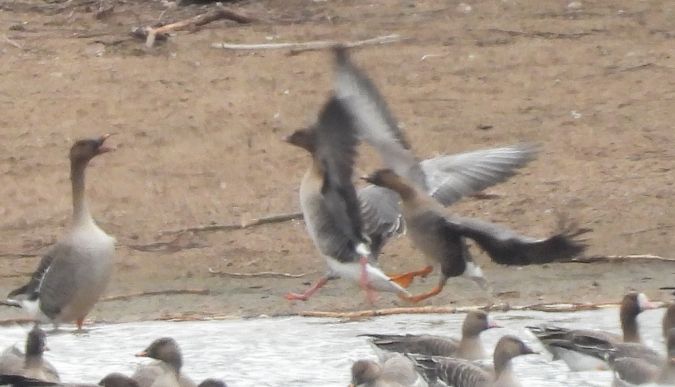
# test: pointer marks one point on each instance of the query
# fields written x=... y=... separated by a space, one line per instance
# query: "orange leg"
x=406 y=279
x=309 y=292
x=371 y=296
x=420 y=297
x=80 y=322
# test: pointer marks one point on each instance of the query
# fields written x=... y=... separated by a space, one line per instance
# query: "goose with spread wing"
x=74 y=273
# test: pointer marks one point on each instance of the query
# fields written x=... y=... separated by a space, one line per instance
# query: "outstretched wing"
x=451 y=177
x=381 y=215
x=372 y=117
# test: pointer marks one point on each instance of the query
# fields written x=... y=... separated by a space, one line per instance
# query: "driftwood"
x=621 y=258
x=156 y=293
x=261 y=274
x=307 y=46
x=543 y=307
x=233 y=226
x=150 y=34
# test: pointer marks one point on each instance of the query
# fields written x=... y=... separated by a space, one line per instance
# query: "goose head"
x=84 y=150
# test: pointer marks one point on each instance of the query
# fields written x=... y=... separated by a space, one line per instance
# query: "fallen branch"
x=621 y=258
x=156 y=293
x=261 y=274
x=150 y=34
x=16 y=275
x=15 y=321
x=307 y=46
x=19 y=255
x=221 y=227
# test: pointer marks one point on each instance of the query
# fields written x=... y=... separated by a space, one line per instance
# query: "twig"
x=15 y=321
x=221 y=227
x=156 y=293
x=13 y=43
x=16 y=275
x=621 y=258
x=307 y=46
x=18 y=255
x=153 y=33
x=261 y=274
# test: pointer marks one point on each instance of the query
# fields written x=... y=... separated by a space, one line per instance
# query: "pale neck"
x=471 y=348
x=502 y=366
x=32 y=361
x=81 y=213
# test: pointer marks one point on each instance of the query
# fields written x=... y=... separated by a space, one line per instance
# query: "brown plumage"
x=441 y=237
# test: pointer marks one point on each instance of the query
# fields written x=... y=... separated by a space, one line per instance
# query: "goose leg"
x=406 y=279
x=371 y=296
x=420 y=297
x=309 y=292
x=80 y=323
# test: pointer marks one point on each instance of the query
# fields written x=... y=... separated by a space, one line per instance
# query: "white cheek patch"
x=643 y=302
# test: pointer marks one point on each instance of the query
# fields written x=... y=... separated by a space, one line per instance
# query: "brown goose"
x=28 y=367
x=330 y=204
x=395 y=371
x=464 y=373
x=167 y=370
x=441 y=237
x=576 y=346
x=74 y=273
x=668 y=320
x=445 y=178
x=469 y=347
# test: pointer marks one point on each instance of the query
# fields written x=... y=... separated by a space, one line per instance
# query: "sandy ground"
x=198 y=137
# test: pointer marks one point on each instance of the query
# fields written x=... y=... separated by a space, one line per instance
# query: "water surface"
x=299 y=351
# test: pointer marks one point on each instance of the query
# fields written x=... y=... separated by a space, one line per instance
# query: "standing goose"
x=668 y=320
x=572 y=345
x=445 y=178
x=469 y=347
x=167 y=370
x=330 y=204
x=464 y=373
x=395 y=371
x=74 y=273
x=28 y=367
x=441 y=237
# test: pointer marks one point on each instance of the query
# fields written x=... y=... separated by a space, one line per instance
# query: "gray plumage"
x=469 y=347
x=29 y=367
x=212 y=383
x=116 y=379
x=394 y=371
x=73 y=275
x=166 y=370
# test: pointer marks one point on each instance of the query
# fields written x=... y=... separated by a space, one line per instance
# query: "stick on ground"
x=156 y=293
x=622 y=258
x=261 y=274
x=255 y=222
x=307 y=46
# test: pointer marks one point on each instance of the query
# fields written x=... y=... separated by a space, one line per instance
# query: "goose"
x=464 y=373
x=469 y=347
x=394 y=371
x=167 y=370
x=330 y=204
x=30 y=366
x=212 y=383
x=668 y=320
x=440 y=237
x=74 y=273
x=446 y=178
x=117 y=379
x=571 y=345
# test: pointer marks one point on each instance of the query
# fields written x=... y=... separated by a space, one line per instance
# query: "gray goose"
x=117 y=379
x=167 y=370
x=440 y=237
x=578 y=348
x=469 y=347
x=445 y=178
x=212 y=383
x=74 y=273
x=28 y=367
x=464 y=373
x=395 y=371
x=330 y=204
x=668 y=320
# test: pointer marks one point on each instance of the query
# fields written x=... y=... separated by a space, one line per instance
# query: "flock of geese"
x=349 y=228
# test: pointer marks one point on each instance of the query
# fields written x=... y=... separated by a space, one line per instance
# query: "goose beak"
x=142 y=354
x=101 y=147
x=492 y=324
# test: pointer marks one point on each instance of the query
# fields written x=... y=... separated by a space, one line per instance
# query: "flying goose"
x=330 y=204
x=445 y=178
x=469 y=347
x=440 y=237
x=464 y=373
x=394 y=371
x=574 y=346
x=74 y=273
x=166 y=371
x=28 y=367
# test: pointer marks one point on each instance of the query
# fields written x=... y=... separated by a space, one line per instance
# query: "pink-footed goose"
x=395 y=370
x=464 y=373
x=74 y=273
x=440 y=237
x=166 y=371
x=469 y=347
x=445 y=178
x=668 y=320
x=578 y=347
x=28 y=367
x=330 y=204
